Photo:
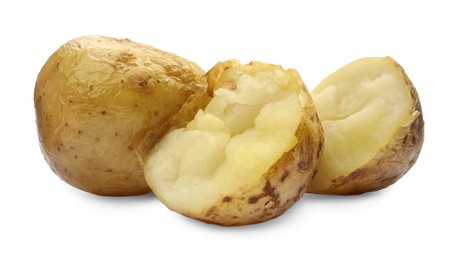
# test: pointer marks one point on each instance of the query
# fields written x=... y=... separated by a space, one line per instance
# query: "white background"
x=41 y=217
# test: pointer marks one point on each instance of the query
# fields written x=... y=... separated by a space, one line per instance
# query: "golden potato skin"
x=391 y=162
x=96 y=98
x=285 y=182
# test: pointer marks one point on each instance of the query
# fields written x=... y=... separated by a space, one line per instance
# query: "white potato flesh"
x=242 y=132
x=361 y=106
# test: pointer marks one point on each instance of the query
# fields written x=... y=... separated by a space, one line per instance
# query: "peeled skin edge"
x=365 y=150
x=97 y=97
x=248 y=156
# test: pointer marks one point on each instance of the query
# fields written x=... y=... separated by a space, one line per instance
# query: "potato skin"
x=96 y=98
x=391 y=162
x=284 y=183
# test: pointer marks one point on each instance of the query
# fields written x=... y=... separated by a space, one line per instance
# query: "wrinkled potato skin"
x=393 y=161
x=96 y=98
x=284 y=183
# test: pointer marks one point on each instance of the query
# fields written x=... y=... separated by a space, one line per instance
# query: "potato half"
x=97 y=97
x=248 y=156
x=373 y=126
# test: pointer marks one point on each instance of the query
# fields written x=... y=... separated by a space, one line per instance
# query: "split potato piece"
x=373 y=125
x=97 y=97
x=248 y=156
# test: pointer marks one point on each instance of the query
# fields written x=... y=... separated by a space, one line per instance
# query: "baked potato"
x=248 y=156
x=97 y=97
x=373 y=125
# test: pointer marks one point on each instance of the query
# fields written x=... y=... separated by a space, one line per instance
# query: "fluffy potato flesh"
x=373 y=127
x=221 y=168
x=97 y=97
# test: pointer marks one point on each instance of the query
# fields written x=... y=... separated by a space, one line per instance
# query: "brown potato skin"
x=391 y=162
x=95 y=100
x=284 y=183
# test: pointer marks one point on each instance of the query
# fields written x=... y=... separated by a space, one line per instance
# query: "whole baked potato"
x=373 y=126
x=248 y=156
x=97 y=97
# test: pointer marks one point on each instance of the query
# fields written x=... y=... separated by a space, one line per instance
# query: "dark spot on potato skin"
x=103 y=112
x=130 y=147
x=227 y=199
x=285 y=175
x=413 y=139
x=143 y=83
x=253 y=200
x=211 y=211
x=303 y=165
x=125 y=57
x=269 y=190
